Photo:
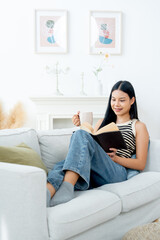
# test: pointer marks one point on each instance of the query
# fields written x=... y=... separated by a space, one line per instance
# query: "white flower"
x=98 y=69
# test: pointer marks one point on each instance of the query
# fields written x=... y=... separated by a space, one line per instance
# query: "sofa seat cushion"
x=153 y=158
x=12 y=137
x=137 y=191
x=54 y=145
x=88 y=209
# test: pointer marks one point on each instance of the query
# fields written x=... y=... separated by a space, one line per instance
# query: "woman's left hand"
x=112 y=154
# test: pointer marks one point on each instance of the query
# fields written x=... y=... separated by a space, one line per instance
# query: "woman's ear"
x=132 y=100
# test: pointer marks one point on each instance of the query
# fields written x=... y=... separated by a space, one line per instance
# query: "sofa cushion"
x=54 y=145
x=90 y=208
x=21 y=154
x=153 y=159
x=12 y=137
x=137 y=191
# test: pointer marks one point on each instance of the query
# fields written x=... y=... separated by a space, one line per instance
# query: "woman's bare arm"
x=142 y=140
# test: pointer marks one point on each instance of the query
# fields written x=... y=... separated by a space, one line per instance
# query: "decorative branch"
x=15 y=119
x=2 y=117
x=99 y=69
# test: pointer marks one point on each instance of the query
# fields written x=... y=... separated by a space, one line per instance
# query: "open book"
x=108 y=136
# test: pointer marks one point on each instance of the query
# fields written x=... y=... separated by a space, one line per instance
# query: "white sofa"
x=105 y=213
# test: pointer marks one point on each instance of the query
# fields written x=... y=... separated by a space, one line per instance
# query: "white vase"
x=98 y=88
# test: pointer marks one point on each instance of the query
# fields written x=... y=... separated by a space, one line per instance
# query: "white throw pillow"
x=12 y=137
x=54 y=145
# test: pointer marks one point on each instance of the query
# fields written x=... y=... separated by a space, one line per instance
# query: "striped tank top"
x=128 y=132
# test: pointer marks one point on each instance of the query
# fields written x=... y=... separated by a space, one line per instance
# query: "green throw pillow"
x=21 y=154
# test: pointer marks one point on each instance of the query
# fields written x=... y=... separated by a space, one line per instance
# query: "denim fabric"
x=90 y=161
x=132 y=172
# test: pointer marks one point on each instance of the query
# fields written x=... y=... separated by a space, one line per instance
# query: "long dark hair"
x=126 y=87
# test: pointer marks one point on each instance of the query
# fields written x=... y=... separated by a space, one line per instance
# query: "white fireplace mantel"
x=57 y=111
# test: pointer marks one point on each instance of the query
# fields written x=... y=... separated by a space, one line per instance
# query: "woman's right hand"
x=76 y=119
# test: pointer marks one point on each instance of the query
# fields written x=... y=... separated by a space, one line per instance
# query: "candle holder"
x=82 y=93
x=55 y=70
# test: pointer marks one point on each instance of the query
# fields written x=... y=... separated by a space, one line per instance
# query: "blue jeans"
x=87 y=158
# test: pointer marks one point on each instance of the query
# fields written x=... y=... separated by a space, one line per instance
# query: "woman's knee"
x=81 y=133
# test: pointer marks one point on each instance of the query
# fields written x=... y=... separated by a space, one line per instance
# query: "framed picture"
x=105 y=32
x=51 y=31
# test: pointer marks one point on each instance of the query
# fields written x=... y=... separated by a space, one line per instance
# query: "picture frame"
x=105 y=32
x=51 y=31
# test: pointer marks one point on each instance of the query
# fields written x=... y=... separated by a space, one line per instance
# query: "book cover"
x=107 y=137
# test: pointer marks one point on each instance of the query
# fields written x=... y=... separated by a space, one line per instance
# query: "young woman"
x=87 y=165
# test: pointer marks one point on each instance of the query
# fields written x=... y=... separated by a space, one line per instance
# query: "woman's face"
x=121 y=102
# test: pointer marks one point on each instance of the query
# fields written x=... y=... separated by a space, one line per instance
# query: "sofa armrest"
x=153 y=159
x=22 y=203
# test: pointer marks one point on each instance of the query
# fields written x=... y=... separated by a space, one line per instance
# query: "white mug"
x=86 y=117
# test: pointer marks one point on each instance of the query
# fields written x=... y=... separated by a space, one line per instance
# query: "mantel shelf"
x=68 y=98
x=52 y=109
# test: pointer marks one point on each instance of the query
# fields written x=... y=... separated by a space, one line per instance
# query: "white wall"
x=22 y=70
